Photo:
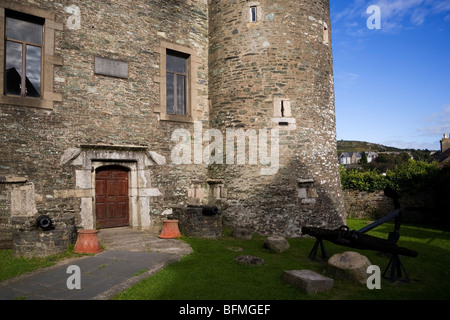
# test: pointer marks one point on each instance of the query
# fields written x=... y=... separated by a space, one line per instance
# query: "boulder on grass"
x=241 y=233
x=250 y=260
x=276 y=244
x=349 y=265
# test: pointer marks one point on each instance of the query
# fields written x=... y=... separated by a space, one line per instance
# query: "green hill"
x=360 y=146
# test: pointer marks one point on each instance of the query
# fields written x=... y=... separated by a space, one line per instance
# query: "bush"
x=370 y=180
x=413 y=176
x=409 y=177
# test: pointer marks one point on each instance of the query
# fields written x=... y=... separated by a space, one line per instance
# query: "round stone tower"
x=271 y=95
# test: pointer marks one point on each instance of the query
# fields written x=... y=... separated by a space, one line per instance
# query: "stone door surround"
x=87 y=158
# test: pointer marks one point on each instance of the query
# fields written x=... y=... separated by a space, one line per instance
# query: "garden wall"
x=422 y=207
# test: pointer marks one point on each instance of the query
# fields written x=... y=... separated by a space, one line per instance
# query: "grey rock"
x=276 y=244
x=241 y=233
x=349 y=265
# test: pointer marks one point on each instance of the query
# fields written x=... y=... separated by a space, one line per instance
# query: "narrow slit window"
x=253 y=13
x=325 y=34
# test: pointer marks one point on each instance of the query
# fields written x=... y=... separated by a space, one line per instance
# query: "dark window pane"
x=170 y=108
x=33 y=71
x=181 y=95
x=176 y=64
x=253 y=14
x=23 y=30
x=13 y=68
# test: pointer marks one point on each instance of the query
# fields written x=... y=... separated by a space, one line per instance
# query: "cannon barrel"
x=207 y=210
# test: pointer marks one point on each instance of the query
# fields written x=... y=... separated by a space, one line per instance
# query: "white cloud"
x=436 y=123
x=395 y=14
x=346 y=79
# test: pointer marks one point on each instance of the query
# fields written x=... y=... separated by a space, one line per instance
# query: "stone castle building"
x=114 y=112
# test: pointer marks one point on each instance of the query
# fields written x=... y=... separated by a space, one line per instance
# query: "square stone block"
x=307 y=280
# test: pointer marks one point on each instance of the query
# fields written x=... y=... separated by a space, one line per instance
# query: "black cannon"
x=45 y=223
x=358 y=239
x=207 y=210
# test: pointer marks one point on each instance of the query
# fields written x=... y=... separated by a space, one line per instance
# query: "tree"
x=363 y=158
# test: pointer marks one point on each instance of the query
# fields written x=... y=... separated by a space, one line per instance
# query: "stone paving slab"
x=130 y=256
x=99 y=274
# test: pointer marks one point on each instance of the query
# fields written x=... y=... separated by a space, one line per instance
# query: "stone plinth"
x=31 y=241
x=307 y=280
x=193 y=223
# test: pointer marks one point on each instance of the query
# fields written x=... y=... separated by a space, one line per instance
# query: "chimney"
x=445 y=143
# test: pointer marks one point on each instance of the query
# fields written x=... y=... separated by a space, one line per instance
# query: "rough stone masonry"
x=105 y=110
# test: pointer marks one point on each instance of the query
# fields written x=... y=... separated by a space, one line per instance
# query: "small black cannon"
x=207 y=210
x=358 y=239
x=45 y=223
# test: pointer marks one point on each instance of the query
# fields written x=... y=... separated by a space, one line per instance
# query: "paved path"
x=130 y=256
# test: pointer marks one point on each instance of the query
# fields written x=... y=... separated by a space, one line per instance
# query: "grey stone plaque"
x=111 y=67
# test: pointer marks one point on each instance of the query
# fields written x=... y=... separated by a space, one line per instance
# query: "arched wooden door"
x=111 y=197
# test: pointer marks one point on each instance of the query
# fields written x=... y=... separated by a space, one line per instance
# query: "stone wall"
x=194 y=223
x=29 y=240
x=367 y=205
x=100 y=110
x=426 y=206
x=274 y=74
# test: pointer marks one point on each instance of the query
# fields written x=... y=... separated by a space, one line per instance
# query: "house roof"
x=442 y=157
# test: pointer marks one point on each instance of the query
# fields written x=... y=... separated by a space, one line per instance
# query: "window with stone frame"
x=178 y=83
x=177 y=79
x=23 y=54
x=27 y=57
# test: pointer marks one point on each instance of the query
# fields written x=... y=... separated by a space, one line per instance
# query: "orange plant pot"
x=170 y=229
x=87 y=242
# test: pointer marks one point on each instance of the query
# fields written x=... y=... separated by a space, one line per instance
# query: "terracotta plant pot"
x=170 y=229
x=87 y=242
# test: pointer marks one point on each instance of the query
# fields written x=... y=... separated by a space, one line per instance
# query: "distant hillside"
x=360 y=146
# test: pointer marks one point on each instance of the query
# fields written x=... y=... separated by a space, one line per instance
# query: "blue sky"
x=392 y=84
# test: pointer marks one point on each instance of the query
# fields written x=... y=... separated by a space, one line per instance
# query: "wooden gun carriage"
x=358 y=239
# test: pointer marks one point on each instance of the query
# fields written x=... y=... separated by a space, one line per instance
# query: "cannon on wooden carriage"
x=358 y=239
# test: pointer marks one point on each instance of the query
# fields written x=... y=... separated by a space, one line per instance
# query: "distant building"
x=355 y=157
x=444 y=156
x=445 y=143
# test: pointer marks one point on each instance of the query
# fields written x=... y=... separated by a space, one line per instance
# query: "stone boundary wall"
x=421 y=207
x=368 y=205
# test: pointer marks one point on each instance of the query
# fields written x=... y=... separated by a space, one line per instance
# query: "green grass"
x=210 y=273
x=11 y=267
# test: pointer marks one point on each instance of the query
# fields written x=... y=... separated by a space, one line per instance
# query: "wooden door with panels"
x=111 y=197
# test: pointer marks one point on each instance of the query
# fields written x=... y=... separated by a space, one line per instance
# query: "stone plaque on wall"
x=111 y=67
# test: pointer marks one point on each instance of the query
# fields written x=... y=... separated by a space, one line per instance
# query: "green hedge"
x=409 y=177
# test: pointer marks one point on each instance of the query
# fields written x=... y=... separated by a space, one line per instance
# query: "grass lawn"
x=210 y=272
x=11 y=267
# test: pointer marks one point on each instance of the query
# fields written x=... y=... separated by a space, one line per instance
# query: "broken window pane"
x=33 y=71
x=25 y=31
x=13 y=68
x=23 y=54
